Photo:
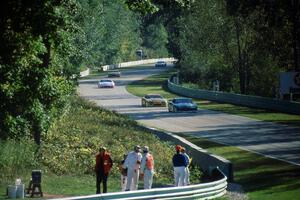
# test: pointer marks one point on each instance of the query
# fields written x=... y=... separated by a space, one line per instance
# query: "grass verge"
x=262 y=178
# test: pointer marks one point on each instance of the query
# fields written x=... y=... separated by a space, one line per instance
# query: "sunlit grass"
x=261 y=177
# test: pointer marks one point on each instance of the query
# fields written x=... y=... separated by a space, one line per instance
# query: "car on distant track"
x=153 y=100
x=160 y=63
x=114 y=73
x=106 y=83
x=182 y=104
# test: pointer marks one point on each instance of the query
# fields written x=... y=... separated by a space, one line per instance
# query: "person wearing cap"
x=147 y=168
x=187 y=171
x=103 y=166
x=132 y=163
x=179 y=164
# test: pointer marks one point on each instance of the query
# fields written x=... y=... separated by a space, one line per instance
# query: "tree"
x=35 y=39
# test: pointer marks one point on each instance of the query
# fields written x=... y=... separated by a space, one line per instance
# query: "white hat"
x=146 y=148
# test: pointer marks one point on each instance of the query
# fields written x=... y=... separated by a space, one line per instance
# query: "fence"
x=134 y=63
x=211 y=190
x=244 y=100
x=85 y=73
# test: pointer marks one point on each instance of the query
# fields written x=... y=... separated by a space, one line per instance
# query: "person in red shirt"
x=102 y=168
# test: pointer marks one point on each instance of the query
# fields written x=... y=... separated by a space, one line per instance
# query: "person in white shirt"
x=187 y=171
x=147 y=168
x=132 y=163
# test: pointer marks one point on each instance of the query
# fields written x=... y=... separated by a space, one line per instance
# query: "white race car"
x=106 y=83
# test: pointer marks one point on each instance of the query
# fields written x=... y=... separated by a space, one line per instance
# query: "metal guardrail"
x=206 y=160
x=134 y=63
x=244 y=100
x=209 y=190
x=85 y=73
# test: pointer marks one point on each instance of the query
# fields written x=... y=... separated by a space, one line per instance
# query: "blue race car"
x=182 y=104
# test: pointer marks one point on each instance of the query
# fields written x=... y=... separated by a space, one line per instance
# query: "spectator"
x=187 y=171
x=179 y=164
x=147 y=168
x=102 y=168
x=123 y=171
x=132 y=163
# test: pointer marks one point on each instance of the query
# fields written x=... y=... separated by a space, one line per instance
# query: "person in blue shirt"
x=180 y=163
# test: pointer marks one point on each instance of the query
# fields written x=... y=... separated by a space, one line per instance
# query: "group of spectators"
x=139 y=164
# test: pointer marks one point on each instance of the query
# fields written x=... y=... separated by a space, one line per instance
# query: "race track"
x=273 y=140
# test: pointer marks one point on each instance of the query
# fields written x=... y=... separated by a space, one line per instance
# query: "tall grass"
x=72 y=142
x=16 y=157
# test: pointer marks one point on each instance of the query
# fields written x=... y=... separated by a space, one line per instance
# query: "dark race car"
x=182 y=104
x=160 y=64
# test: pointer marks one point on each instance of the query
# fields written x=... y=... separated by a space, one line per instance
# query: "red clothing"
x=103 y=163
x=149 y=161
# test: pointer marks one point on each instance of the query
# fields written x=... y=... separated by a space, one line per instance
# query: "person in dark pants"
x=102 y=168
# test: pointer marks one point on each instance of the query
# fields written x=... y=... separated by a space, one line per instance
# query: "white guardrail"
x=138 y=62
x=209 y=190
x=128 y=64
x=85 y=73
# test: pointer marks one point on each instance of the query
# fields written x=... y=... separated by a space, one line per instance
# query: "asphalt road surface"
x=272 y=140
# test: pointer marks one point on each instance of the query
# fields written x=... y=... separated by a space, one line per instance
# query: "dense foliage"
x=243 y=44
x=44 y=45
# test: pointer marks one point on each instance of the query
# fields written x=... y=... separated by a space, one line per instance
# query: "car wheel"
x=174 y=109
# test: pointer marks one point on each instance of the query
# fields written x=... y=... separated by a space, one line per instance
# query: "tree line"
x=242 y=44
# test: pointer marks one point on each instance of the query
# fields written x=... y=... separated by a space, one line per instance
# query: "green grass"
x=153 y=84
x=254 y=113
x=261 y=177
x=94 y=73
x=157 y=84
x=55 y=186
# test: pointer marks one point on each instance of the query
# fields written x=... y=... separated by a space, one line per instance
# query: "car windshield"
x=161 y=62
x=154 y=96
x=183 y=101
x=102 y=81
